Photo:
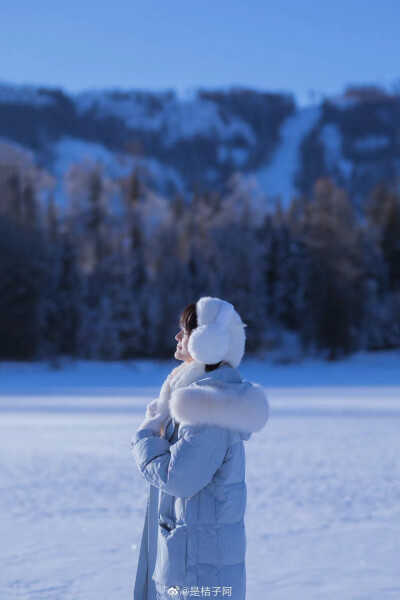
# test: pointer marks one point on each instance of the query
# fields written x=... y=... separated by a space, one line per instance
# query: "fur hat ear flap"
x=219 y=334
x=209 y=344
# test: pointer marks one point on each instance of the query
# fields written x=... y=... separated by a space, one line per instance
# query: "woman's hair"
x=188 y=322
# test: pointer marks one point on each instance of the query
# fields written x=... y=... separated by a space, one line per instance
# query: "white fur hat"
x=219 y=335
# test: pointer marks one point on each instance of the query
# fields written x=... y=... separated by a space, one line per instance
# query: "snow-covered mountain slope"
x=198 y=142
x=277 y=178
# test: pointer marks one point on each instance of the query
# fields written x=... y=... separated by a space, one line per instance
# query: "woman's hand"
x=154 y=419
x=152 y=408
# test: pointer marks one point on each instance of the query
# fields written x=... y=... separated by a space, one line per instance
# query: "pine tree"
x=62 y=299
x=332 y=293
x=382 y=268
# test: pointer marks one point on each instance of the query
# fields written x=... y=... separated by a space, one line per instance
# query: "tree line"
x=107 y=276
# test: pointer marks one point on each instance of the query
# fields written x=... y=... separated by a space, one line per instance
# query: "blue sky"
x=289 y=45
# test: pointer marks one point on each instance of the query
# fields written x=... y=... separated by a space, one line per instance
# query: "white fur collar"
x=181 y=376
x=239 y=405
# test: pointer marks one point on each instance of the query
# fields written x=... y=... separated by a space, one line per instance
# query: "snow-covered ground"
x=323 y=513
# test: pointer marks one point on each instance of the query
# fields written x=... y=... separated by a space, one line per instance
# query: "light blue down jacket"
x=194 y=535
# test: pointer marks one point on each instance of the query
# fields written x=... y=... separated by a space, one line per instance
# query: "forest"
x=107 y=275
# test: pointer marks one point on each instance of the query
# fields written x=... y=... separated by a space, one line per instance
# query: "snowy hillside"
x=199 y=141
x=277 y=178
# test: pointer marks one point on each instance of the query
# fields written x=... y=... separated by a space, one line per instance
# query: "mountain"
x=199 y=141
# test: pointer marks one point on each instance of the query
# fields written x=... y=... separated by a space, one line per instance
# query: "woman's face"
x=182 y=352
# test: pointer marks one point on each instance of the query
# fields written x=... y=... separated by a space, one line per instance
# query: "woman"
x=190 y=449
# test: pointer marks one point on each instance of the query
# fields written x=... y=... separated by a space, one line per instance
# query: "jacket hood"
x=222 y=398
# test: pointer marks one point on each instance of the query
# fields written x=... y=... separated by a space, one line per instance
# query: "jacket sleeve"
x=181 y=469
